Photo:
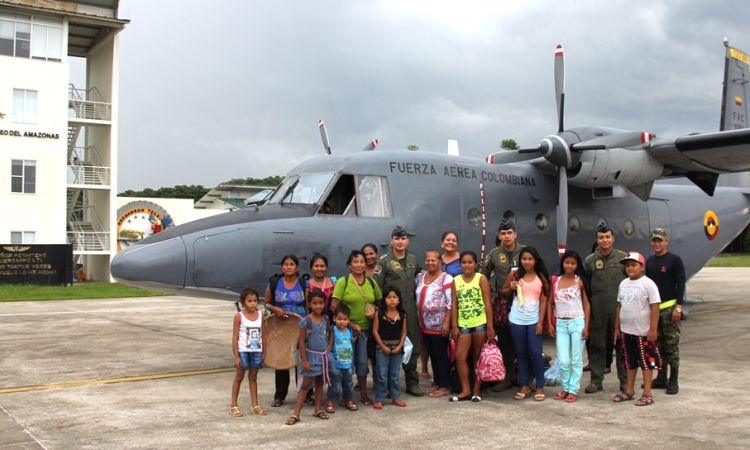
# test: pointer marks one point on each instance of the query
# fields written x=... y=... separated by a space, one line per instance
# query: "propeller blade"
x=452 y=147
x=324 y=136
x=529 y=150
x=560 y=86
x=371 y=146
x=562 y=210
x=510 y=156
x=619 y=140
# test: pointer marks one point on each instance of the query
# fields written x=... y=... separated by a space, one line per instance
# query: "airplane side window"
x=305 y=189
x=341 y=201
x=374 y=198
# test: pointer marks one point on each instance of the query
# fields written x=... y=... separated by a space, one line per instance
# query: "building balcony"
x=89 y=242
x=85 y=167
x=89 y=105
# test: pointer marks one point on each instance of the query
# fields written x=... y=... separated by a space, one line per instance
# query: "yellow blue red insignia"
x=396 y=265
x=711 y=225
x=503 y=259
x=599 y=264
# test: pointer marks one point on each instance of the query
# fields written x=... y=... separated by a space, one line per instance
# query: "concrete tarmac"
x=68 y=380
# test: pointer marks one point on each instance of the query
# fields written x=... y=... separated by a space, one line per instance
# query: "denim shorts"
x=251 y=359
x=477 y=329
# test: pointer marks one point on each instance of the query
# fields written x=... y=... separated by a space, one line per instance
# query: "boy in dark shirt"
x=668 y=272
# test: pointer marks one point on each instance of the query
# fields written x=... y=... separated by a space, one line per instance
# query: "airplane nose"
x=157 y=267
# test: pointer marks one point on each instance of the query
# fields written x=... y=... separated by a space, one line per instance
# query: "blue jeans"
x=570 y=352
x=341 y=380
x=387 y=369
x=360 y=353
x=528 y=346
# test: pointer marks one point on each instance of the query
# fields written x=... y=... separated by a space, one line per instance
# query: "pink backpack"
x=490 y=367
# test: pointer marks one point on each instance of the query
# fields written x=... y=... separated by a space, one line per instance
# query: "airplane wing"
x=720 y=152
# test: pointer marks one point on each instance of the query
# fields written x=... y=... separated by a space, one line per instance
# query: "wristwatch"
x=678 y=308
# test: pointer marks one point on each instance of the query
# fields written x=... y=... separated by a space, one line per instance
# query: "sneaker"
x=415 y=391
x=592 y=388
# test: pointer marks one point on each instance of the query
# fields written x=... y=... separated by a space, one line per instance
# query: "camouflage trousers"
x=668 y=338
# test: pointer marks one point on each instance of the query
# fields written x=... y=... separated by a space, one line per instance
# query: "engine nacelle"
x=615 y=167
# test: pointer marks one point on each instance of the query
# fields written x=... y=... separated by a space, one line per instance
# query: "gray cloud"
x=225 y=90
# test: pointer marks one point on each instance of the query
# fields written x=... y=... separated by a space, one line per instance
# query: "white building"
x=58 y=142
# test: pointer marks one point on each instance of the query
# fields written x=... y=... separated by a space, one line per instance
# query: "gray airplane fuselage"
x=429 y=194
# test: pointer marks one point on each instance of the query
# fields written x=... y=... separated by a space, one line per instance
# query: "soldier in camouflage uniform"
x=605 y=272
x=668 y=272
x=399 y=268
x=497 y=266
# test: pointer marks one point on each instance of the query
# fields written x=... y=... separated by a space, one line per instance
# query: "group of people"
x=611 y=300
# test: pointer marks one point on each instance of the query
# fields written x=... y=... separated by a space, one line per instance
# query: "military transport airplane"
x=557 y=194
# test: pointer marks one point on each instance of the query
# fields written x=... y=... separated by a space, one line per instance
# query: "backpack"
x=501 y=308
x=309 y=323
x=274 y=283
x=490 y=366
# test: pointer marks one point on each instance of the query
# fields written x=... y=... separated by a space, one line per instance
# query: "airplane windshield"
x=302 y=189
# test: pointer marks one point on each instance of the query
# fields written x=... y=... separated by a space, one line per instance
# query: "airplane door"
x=658 y=216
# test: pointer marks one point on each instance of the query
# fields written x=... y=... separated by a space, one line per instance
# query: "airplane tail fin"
x=734 y=105
x=734 y=98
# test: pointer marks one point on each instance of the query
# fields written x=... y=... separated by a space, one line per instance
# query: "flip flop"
x=562 y=395
x=522 y=395
x=367 y=402
x=645 y=400
x=460 y=399
x=400 y=403
x=321 y=415
x=235 y=411
x=292 y=420
x=431 y=390
x=439 y=393
x=378 y=405
x=276 y=403
x=571 y=398
x=623 y=397
x=329 y=407
x=539 y=397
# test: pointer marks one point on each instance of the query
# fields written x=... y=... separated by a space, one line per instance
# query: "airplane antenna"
x=324 y=136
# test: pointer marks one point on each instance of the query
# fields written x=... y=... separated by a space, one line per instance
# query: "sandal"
x=645 y=400
x=623 y=397
x=235 y=411
x=539 y=397
x=431 y=390
x=400 y=403
x=366 y=401
x=259 y=411
x=276 y=403
x=349 y=405
x=440 y=393
x=309 y=401
x=522 y=395
x=571 y=398
x=292 y=420
x=329 y=407
x=426 y=375
x=321 y=415
x=378 y=405
x=562 y=395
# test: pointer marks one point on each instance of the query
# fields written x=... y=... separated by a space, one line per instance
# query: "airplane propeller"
x=324 y=136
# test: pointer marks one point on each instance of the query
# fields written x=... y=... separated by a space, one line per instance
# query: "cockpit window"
x=305 y=189
x=374 y=200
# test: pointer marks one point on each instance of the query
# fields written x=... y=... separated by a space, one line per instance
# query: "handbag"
x=408 y=349
x=370 y=310
x=501 y=309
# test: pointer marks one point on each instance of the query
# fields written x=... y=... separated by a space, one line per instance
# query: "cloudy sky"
x=211 y=91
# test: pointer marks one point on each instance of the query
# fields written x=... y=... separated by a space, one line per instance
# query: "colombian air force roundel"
x=711 y=225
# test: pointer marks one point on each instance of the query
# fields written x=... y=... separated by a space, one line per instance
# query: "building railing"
x=89 y=241
x=84 y=107
x=92 y=175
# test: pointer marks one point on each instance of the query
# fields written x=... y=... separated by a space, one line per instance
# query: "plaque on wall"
x=43 y=265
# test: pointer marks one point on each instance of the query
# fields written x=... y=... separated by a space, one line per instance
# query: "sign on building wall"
x=138 y=220
x=44 y=265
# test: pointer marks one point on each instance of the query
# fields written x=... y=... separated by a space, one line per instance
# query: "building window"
x=22 y=237
x=24 y=106
x=23 y=177
x=24 y=36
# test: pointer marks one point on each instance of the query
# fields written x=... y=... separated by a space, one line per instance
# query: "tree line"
x=196 y=192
